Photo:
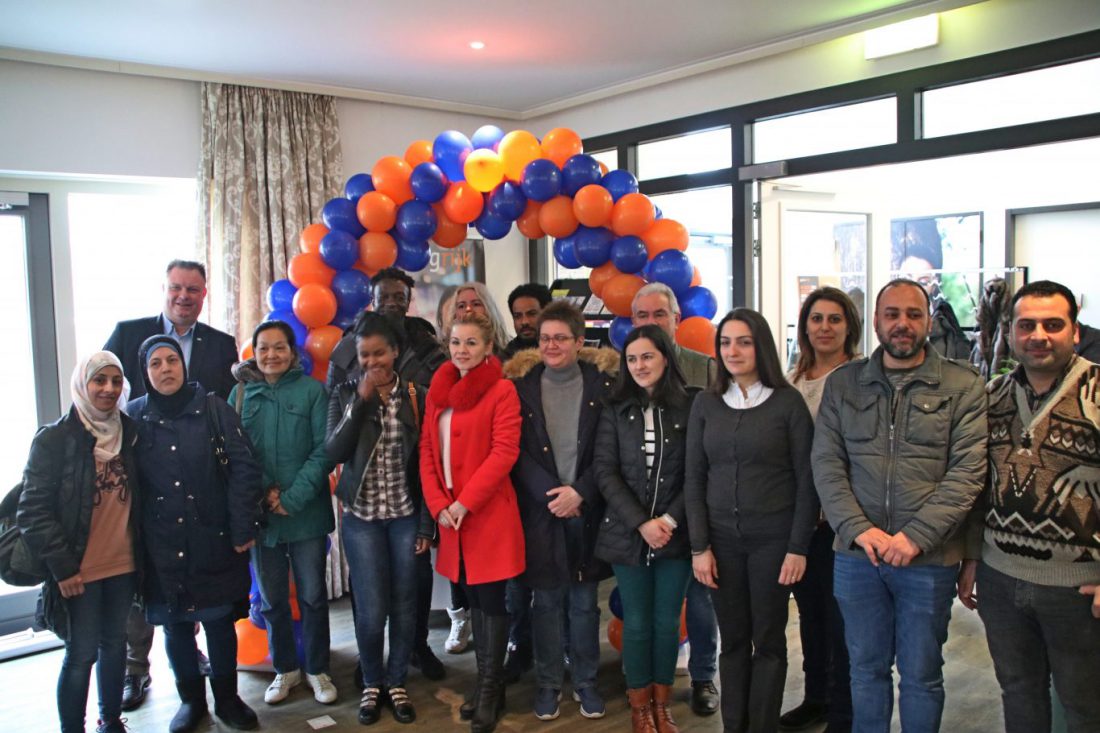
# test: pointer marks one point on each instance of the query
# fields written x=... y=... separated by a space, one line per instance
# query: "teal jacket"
x=286 y=422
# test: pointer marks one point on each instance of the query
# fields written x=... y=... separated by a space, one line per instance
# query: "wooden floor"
x=27 y=703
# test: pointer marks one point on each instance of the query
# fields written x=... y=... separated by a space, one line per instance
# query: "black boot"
x=491 y=648
x=192 y=705
x=229 y=707
x=466 y=710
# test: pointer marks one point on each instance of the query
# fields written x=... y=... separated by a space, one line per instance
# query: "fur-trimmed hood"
x=249 y=371
x=604 y=359
x=450 y=389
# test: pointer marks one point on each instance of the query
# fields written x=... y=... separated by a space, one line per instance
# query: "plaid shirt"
x=383 y=493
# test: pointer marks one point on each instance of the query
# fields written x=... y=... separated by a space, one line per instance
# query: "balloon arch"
x=597 y=217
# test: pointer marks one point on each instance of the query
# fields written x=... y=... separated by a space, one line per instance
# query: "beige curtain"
x=270 y=161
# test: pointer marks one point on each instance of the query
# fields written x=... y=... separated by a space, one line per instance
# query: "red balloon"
x=377 y=251
x=633 y=214
x=592 y=205
x=618 y=293
x=308 y=267
x=556 y=217
x=321 y=341
x=310 y=240
x=314 y=305
x=696 y=333
x=664 y=234
x=376 y=211
x=528 y=221
x=390 y=175
x=462 y=202
x=448 y=234
x=600 y=275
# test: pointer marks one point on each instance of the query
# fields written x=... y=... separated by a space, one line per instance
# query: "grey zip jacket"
x=909 y=460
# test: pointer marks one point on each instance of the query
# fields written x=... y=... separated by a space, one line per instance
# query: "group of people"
x=540 y=466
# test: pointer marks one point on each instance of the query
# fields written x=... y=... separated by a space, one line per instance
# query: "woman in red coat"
x=469 y=443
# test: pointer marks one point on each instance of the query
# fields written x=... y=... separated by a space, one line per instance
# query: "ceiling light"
x=477 y=45
x=907 y=35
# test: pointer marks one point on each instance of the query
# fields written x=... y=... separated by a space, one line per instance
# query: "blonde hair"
x=499 y=336
x=479 y=321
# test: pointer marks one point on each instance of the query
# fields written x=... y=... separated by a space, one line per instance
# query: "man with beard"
x=525 y=303
x=899 y=458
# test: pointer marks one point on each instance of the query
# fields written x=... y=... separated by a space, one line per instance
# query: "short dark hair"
x=1046 y=289
x=369 y=323
x=393 y=273
x=538 y=291
x=565 y=312
x=897 y=283
x=186 y=265
x=768 y=368
x=806 y=355
x=280 y=326
x=670 y=389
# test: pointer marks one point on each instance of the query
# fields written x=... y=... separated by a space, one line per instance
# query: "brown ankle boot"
x=641 y=710
x=662 y=714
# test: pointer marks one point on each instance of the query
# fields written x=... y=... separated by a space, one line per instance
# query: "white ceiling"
x=538 y=58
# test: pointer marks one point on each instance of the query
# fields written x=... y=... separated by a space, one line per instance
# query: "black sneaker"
x=370 y=706
x=115 y=726
x=403 y=710
x=428 y=663
x=134 y=687
x=704 y=698
x=807 y=714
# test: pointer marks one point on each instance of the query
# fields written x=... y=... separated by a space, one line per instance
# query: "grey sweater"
x=748 y=471
x=562 y=390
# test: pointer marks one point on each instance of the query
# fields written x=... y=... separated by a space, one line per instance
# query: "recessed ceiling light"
x=907 y=35
x=477 y=45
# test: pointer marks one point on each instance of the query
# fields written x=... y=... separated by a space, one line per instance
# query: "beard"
x=899 y=352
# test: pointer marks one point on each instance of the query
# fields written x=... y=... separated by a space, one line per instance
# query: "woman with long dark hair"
x=751 y=510
x=640 y=451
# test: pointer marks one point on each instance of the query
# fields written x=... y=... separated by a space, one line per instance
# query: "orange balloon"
x=310 y=240
x=696 y=278
x=462 y=202
x=618 y=293
x=556 y=217
x=592 y=205
x=517 y=149
x=391 y=176
x=320 y=371
x=664 y=234
x=246 y=351
x=615 y=633
x=683 y=623
x=419 y=151
x=314 y=305
x=251 y=642
x=376 y=211
x=697 y=333
x=321 y=341
x=603 y=168
x=633 y=214
x=561 y=144
x=528 y=221
x=377 y=250
x=308 y=267
x=601 y=275
x=448 y=234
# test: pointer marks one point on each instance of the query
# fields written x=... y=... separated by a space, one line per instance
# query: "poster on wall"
x=446 y=269
x=943 y=253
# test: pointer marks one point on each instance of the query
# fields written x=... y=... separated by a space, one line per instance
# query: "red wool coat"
x=485 y=430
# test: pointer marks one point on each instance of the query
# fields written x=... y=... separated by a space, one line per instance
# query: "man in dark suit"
x=209 y=355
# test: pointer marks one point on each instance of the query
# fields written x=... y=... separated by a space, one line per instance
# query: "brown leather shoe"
x=662 y=714
x=641 y=710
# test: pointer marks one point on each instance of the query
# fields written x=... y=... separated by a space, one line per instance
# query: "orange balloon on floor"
x=561 y=144
x=600 y=275
x=448 y=234
x=696 y=333
x=615 y=633
x=664 y=234
x=420 y=151
x=390 y=175
x=528 y=221
x=517 y=149
x=314 y=305
x=632 y=214
x=556 y=217
x=251 y=642
x=592 y=205
x=320 y=342
x=377 y=250
x=308 y=267
x=310 y=239
x=619 y=291
x=462 y=203
x=376 y=211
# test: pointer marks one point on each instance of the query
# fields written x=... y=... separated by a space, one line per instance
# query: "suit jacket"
x=213 y=354
x=698 y=368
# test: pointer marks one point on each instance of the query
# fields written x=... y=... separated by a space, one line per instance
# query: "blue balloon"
x=339 y=250
x=673 y=268
x=507 y=201
x=541 y=180
x=358 y=185
x=487 y=136
x=450 y=150
x=619 y=183
x=412 y=256
x=287 y=316
x=657 y=213
x=629 y=254
x=340 y=214
x=620 y=329
x=343 y=321
x=615 y=603
x=352 y=291
x=492 y=226
x=564 y=253
x=280 y=295
x=578 y=172
x=416 y=221
x=698 y=301
x=428 y=182
x=305 y=361
x=593 y=245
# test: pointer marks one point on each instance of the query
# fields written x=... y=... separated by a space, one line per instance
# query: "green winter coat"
x=286 y=422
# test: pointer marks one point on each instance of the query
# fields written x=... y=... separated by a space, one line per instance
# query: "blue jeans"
x=702 y=628
x=97 y=635
x=1036 y=632
x=272 y=565
x=652 y=597
x=382 y=563
x=890 y=612
x=579 y=601
x=221 y=643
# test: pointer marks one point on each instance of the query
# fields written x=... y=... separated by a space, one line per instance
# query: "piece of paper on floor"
x=325 y=721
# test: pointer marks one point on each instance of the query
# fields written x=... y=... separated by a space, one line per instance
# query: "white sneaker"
x=323 y=689
x=459 y=637
x=280 y=687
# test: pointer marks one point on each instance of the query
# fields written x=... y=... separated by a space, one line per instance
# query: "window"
x=701 y=151
x=610 y=158
x=851 y=126
x=17 y=367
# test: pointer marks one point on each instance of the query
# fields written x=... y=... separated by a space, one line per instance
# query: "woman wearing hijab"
x=77 y=513
x=205 y=518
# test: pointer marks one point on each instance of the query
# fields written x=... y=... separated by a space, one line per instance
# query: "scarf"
x=450 y=389
x=105 y=427
x=168 y=405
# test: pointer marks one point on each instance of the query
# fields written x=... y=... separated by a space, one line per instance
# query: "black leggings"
x=489 y=598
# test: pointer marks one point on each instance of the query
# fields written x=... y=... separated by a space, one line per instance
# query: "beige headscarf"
x=105 y=426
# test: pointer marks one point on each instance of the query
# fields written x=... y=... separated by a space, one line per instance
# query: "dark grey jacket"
x=911 y=461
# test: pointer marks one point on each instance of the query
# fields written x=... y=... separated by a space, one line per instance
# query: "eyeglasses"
x=560 y=339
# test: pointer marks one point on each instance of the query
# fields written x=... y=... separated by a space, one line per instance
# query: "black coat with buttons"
x=632 y=497
x=191 y=519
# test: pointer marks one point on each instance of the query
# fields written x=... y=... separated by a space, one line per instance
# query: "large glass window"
x=17 y=367
x=610 y=158
x=849 y=127
x=700 y=151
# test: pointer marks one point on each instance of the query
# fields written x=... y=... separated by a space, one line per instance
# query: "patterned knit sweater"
x=1042 y=512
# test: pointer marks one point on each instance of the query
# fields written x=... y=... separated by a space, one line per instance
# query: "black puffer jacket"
x=632 y=499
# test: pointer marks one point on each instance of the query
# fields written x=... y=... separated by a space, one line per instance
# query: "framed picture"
x=446 y=269
x=943 y=253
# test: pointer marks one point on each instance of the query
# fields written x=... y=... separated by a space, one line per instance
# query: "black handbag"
x=18 y=566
